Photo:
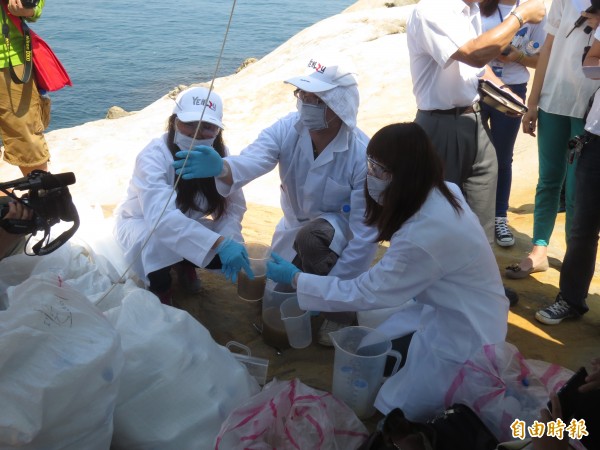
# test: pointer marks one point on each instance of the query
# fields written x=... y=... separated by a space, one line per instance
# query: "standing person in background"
x=197 y=226
x=511 y=67
x=448 y=54
x=322 y=161
x=582 y=246
x=21 y=107
x=559 y=96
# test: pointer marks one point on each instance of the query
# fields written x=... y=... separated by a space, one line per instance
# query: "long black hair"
x=408 y=154
x=187 y=190
x=488 y=7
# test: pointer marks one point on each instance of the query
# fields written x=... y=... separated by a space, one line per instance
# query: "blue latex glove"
x=280 y=270
x=203 y=162
x=234 y=257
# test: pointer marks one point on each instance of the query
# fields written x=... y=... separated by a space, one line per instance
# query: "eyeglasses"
x=377 y=170
x=307 y=97
x=205 y=127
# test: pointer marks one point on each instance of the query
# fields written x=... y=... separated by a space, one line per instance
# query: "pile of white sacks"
x=80 y=369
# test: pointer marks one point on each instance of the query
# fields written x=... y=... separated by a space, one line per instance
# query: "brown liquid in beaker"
x=251 y=290
x=274 y=333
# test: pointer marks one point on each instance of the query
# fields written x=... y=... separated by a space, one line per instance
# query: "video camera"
x=51 y=202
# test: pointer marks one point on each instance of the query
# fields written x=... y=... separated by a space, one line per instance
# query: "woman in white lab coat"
x=438 y=256
x=199 y=227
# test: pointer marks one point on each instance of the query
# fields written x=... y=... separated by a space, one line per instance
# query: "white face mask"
x=185 y=142
x=312 y=116
x=375 y=187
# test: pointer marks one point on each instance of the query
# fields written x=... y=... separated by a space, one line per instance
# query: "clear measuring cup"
x=253 y=290
x=359 y=361
x=296 y=322
x=273 y=329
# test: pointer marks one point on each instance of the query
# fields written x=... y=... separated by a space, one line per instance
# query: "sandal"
x=514 y=271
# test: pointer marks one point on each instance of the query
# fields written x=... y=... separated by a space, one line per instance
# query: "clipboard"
x=497 y=98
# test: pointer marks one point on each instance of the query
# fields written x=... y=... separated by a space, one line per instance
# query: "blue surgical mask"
x=185 y=142
x=375 y=187
x=312 y=116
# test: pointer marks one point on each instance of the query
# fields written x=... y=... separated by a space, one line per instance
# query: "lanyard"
x=500 y=14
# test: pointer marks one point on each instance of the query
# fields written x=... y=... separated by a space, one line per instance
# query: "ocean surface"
x=131 y=54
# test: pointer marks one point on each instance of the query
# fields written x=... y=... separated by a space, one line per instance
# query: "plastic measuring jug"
x=253 y=290
x=359 y=361
x=296 y=322
x=273 y=329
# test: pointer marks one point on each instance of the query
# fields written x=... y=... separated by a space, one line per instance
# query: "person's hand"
x=18 y=211
x=513 y=55
x=550 y=442
x=234 y=257
x=530 y=120
x=280 y=270
x=532 y=11
x=16 y=8
x=203 y=162
x=593 y=19
x=592 y=381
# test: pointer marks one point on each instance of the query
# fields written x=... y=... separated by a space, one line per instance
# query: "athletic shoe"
x=557 y=312
x=504 y=237
x=328 y=326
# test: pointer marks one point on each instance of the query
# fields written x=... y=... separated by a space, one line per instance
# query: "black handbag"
x=457 y=428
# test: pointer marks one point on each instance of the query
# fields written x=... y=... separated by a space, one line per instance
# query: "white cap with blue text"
x=194 y=104
x=324 y=73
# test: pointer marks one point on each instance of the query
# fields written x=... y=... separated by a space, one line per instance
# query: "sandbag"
x=178 y=384
x=289 y=415
x=59 y=369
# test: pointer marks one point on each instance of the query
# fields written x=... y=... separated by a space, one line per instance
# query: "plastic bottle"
x=532 y=48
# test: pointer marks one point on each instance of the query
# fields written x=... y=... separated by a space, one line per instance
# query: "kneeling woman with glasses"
x=438 y=255
x=193 y=226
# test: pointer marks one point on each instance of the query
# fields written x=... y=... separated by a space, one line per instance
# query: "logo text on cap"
x=317 y=66
x=199 y=101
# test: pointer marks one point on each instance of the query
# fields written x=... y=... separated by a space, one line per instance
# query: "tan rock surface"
x=102 y=154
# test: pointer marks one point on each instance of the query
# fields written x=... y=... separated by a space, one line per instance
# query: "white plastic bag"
x=500 y=385
x=178 y=384
x=289 y=415
x=59 y=370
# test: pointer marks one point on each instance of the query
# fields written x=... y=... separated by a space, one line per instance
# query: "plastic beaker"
x=273 y=329
x=359 y=361
x=253 y=290
x=296 y=322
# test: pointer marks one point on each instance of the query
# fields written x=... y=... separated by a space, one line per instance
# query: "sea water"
x=130 y=54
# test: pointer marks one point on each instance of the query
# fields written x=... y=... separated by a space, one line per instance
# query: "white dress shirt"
x=435 y=30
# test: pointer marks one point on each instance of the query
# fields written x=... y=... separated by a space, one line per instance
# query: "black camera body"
x=29 y=3
x=50 y=200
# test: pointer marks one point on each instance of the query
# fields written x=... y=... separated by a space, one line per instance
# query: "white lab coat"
x=312 y=189
x=178 y=236
x=443 y=261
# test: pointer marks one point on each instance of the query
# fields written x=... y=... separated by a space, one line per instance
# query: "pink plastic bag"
x=291 y=415
x=500 y=385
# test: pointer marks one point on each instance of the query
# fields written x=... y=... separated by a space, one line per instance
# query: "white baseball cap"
x=324 y=73
x=194 y=104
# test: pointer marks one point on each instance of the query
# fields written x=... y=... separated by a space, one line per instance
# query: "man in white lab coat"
x=322 y=164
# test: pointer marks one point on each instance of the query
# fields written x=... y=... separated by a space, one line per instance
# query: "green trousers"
x=554 y=133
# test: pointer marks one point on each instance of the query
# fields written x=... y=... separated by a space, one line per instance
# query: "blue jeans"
x=582 y=246
x=503 y=130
